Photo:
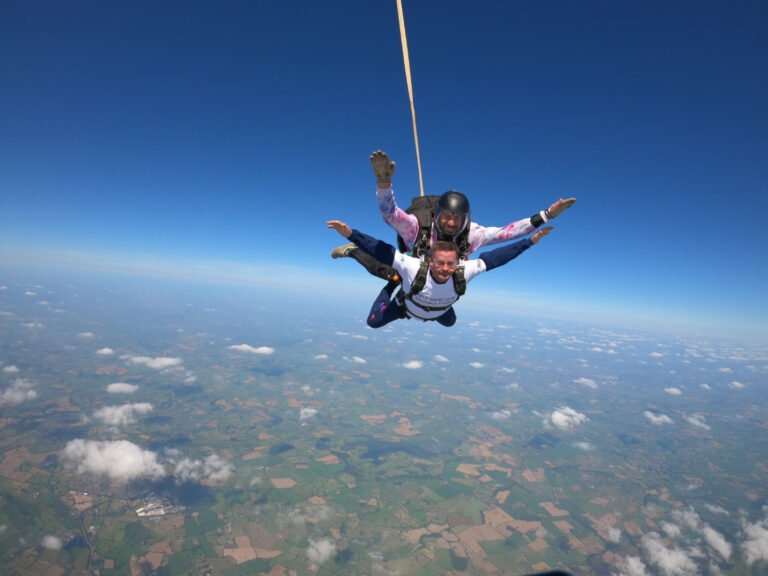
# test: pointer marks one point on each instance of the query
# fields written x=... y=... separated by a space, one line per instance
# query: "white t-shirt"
x=433 y=294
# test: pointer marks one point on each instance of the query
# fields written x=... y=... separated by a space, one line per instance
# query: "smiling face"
x=450 y=223
x=442 y=264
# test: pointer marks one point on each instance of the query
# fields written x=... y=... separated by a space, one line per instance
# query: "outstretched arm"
x=541 y=233
x=504 y=254
x=383 y=168
x=383 y=252
x=479 y=236
x=406 y=225
x=559 y=207
x=340 y=227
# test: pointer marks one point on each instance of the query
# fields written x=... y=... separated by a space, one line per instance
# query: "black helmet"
x=453 y=201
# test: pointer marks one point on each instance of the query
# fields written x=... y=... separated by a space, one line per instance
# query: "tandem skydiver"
x=432 y=218
x=431 y=287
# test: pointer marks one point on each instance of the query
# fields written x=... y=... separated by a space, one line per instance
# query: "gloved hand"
x=559 y=207
x=383 y=168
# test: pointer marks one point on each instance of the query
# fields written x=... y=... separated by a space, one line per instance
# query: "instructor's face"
x=450 y=222
x=442 y=265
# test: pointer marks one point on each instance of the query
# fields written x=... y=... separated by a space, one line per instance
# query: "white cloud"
x=698 y=421
x=307 y=413
x=632 y=566
x=717 y=509
x=614 y=534
x=717 y=542
x=320 y=551
x=656 y=354
x=105 y=351
x=188 y=470
x=172 y=454
x=476 y=364
x=565 y=418
x=755 y=546
x=725 y=370
x=217 y=469
x=586 y=446
x=672 y=391
x=588 y=382
x=86 y=335
x=51 y=542
x=736 y=385
x=213 y=468
x=118 y=460
x=673 y=560
x=159 y=363
x=501 y=415
x=18 y=392
x=122 y=388
x=705 y=386
x=358 y=360
x=413 y=364
x=321 y=357
x=122 y=415
x=671 y=530
x=265 y=350
x=440 y=358
x=657 y=419
x=10 y=369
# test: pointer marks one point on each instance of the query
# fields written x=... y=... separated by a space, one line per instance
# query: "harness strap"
x=459 y=281
x=420 y=281
x=459 y=285
x=402 y=297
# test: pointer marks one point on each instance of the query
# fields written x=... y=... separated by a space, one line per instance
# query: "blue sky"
x=227 y=133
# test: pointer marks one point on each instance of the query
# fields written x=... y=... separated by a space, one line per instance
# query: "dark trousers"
x=373 y=266
x=386 y=309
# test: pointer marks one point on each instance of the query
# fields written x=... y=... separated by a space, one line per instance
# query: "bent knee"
x=447 y=320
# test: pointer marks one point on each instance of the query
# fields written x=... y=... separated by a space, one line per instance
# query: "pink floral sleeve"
x=481 y=235
x=406 y=225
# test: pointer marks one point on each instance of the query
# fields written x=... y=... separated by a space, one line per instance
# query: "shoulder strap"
x=420 y=280
x=423 y=207
x=459 y=281
x=462 y=243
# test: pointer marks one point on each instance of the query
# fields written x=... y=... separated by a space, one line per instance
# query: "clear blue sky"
x=230 y=131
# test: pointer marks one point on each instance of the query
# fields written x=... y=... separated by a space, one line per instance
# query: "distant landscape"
x=269 y=435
